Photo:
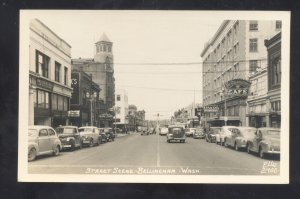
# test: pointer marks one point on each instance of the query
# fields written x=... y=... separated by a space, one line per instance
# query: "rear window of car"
x=32 y=132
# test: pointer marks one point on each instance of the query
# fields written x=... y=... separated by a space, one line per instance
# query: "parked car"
x=103 y=137
x=42 y=140
x=163 y=131
x=176 y=133
x=89 y=135
x=222 y=134
x=239 y=137
x=266 y=141
x=211 y=134
x=189 y=132
x=69 y=137
x=110 y=135
x=199 y=133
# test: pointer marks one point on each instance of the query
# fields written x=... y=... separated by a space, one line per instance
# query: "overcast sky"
x=142 y=40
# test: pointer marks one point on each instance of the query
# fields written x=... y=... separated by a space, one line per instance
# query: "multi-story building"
x=235 y=51
x=101 y=69
x=274 y=80
x=49 y=76
x=85 y=105
x=122 y=107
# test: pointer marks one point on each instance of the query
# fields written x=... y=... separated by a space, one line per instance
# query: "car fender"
x=263 y=146
x=33 y=145
x=57 y=142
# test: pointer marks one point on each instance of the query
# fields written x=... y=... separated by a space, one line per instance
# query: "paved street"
x=151 y=154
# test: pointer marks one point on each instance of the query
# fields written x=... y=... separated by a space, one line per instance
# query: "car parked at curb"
x=239 y=137
x=266 y=141
x=89 y=135
x=199 y=133
x=189 y=132
x=109 y=134
x=42 y=140
x=225 y=131
x=176 y=133
x=69 y=137
x=212 y=133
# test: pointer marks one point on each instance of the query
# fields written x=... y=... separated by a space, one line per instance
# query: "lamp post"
x=91 y=97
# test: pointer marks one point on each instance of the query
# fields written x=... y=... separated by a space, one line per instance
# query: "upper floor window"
x=253 y=25
x=278 y=25
x=275 y=71
x=253 y=45
x=42 y=64
x=57 y=71
x=253 y=65
x=118 y=98
x=66 y=76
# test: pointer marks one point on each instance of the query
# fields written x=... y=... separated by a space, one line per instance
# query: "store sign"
x=237 y=87
x=75 y=86
x=211 y=109
x=44 y=84
x=105 y=116
x=74 y=113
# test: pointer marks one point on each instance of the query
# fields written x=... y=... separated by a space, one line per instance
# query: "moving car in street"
x=211 y=134
x=163 y=131
x=239 y=137
x=266 y=141
x=199 y=133
x=189 y=132
x=225 y=131
x=175 y=133
x=89 y=135
x=42 y=140
x=110 y=135
x=69 y=137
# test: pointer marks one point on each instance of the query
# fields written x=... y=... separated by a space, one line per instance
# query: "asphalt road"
x=136 y=154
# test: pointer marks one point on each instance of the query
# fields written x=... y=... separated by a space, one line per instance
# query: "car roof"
x=67 y=127
x=245 y=127
x=227 y=127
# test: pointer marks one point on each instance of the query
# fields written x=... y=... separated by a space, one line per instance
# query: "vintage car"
x=163 y=131
x=42 y=140
x=222 y=134
x=189 y=132
x=110 y=135
x=266 y=141
x=239 y=137
x=69 y=137
x=199 y=133
x=89 y=135
x=176 y=133
x=211 y=134
x=103 y=137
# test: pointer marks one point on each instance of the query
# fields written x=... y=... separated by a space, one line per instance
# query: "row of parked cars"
x=45 y=140
x=261 y=141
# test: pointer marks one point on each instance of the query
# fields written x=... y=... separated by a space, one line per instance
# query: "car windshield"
x=85 y=129
x=32 y=132
x=248 y=132
x=107 y=130
x=273 y=133
x=64 y=130
x=176 y=130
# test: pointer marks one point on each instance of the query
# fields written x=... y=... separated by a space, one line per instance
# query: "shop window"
x=54 y=102
x=66 y=103
x=42 y=64
x=253 y=45
x=42 y=99
x=253 y=25
x=60 y=102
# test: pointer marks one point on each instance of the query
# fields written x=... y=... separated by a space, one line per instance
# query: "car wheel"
x=80 y=145
x=91 y=143
x=261 y=153
x=248 y=149
x=56 y=151
x=236 y=147
x=72 y=146
x=32 y=154
x=168 y=141
x=183 y=141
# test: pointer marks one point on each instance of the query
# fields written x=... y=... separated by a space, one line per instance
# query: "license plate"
x=86 y=142
x=67 y=145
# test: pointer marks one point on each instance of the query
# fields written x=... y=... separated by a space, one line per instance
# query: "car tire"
x=236 y=147
x=261 y=153
x=248 y=149
x=91 y=143
x=56 y=150
x=32 y=154
x=168 y=141
x=80 y=145
x=72 y=146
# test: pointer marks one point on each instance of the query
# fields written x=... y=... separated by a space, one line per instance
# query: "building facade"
x=49 y=76
x=274 y=80
x=233 y=53
x=122 y=107
x=102 y=71
x=85 y=104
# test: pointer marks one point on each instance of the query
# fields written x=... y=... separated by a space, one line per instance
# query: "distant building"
x=49 y=76
x=122 y=107
x=234 y=52
x=101 y=69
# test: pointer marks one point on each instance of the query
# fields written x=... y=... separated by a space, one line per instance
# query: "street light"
x=91 y=97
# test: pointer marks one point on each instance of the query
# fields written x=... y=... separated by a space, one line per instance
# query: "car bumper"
x=273 y=152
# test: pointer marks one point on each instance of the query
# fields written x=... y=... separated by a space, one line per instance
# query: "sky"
x=156 y=53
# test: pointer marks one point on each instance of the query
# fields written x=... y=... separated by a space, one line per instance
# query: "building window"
x=253 y=65
x=42 y=99
x=97 y=48
x=253 y=45
x=118 y=98
x=104 y=48
x=275 y=71
x=42 y=64
x=278 y=25
x=253 y=25
x=66 y=76
x=54 y=102
x=276 y=105
x=60 y=102
x=109 y=48
x=66 y=103
x=57 y=71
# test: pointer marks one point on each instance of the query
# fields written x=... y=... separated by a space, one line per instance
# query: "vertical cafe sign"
x=75 y=86
x=237 y=87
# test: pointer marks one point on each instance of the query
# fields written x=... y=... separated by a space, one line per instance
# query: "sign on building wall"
x=237 y=87
x=210 y=109
x=75 y=86
x=74 y=113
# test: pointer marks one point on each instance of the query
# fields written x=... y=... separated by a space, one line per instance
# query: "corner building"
x=236 y=50
x=49 y=76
